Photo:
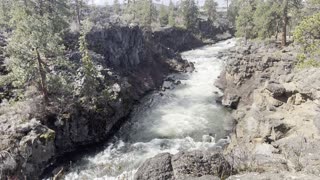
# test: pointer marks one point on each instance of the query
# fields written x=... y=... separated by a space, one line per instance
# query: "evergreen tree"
x=287 y=7
x=5 y=6
x=233 y=11
x=36 y=41
x=171 y=18
x=163 y=16
x=88 y=69
x=146 y=14
x=78 y=4
x=116 y=7
x=267 y=19
x=227 y=1
x=307 y=34
x=190 y=13
x=244 y=21
x=210 y=7
x=312 y=7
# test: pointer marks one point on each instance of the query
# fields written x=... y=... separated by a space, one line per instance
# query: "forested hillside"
x=280 y=20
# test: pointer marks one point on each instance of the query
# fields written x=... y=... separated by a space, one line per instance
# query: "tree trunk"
x=277 y=32
x=43 y=83
x=78 y=6
x=227 y=5
x=285 y=23
x=25 y=4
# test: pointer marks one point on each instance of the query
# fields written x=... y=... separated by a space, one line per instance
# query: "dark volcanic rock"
x=123 y=47
x=176 y=39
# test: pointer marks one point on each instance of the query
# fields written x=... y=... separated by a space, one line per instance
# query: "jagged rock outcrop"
x=277 y=116
x=185 y=165
x=177 y=39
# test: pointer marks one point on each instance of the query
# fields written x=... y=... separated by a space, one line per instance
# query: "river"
x=180 y=119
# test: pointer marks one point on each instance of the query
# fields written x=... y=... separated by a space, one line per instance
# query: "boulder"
x=231 y=100
x=199 y=163
x=156 y=168
x=276 y=90
x=193 y=165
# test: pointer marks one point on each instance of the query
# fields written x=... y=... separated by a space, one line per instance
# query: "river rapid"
x=184 y=118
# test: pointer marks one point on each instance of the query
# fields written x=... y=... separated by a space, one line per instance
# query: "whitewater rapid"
x=181 y=119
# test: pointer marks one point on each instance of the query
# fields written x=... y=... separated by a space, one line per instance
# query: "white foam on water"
x=180 y=121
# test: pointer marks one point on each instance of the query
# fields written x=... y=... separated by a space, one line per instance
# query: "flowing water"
x=181 y=119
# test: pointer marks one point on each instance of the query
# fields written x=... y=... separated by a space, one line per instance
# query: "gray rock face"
x=276 y=90
x=265 y=176
x=277 y=126
x=185 y=165
x=231 y=100
x=198 y=164
x=121 y=47
x=156 y=168
x=33 y=147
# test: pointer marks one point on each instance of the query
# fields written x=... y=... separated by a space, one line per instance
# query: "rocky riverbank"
x=131 y=62
x=276 y=113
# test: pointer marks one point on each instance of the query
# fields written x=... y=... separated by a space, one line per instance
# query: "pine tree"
x=36 y=42
x=233 y=11
x=116 y=7
x=190 y=13
x=163 y=16
x=210 y=7
x=287 y=6
x=227 y=1
x=267 y=19
x=244 y=21
x=307 y=34
x=78 y=5
x=171 y=18
x=5 y=6
x=88 y=68
x=147 y=13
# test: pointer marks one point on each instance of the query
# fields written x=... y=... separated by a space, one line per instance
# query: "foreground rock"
x=276 y=112
x=199 y=165
x=282 y=176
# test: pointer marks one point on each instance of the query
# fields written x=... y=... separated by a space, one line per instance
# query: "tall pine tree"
x=171 y=18
x=210 y=7
x=163 y=15
x=244 y=21
x=190 y=13
x=36 y=42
